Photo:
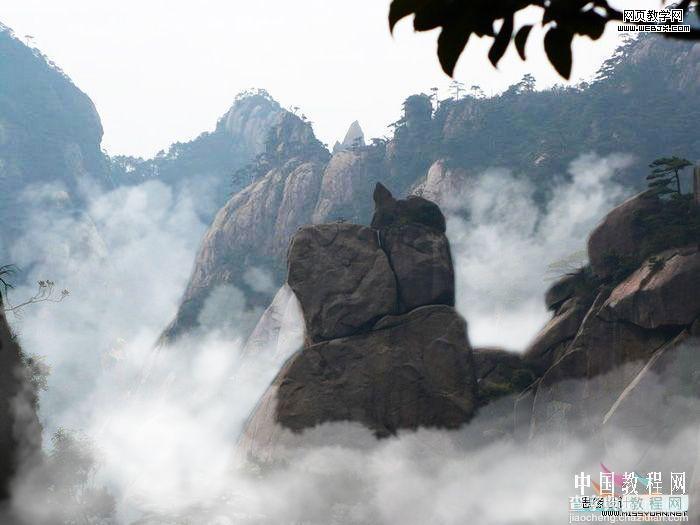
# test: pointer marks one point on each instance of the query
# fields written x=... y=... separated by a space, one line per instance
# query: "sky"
x=161 y=71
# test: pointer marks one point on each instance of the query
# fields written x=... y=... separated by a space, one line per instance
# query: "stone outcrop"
x=390 y=212
x=568 y=286
x=253 y=229
x=407 y=371
x=443 y=184
x=412 y=233
x=342 y=279
x=610 y=335
x=664 y=291
x=347 y=179
x=365 y=359
x=421 y=260
x=354 y=138
x=619 y=236
x=546 y=348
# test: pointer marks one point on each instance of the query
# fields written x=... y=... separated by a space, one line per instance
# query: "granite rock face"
x=342 y=279
x=664 y=291
x=542 y=352
x=389 y=212
x=608 y=334
x=372 y=355
x=421 y=260
x=565 y=288
x=254 y=227
x=354 y=138
x=618 y=236
x=443 y=184
x=408 y=371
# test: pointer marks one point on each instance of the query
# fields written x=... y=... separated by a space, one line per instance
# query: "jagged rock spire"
x=354 y=137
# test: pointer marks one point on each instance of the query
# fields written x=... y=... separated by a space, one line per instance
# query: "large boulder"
x=562 y=328
x=413 y=370
x=664 y=291
x=619 y=236
x=421 y=259
x=389 y=211
x=412 y=233
x=574 y=284
x=342 y=279
x=591 y=371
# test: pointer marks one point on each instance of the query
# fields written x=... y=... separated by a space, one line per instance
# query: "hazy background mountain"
x=50 y=138
x=207 y=167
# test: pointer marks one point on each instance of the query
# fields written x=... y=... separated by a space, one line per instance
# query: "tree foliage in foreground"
x=564 y=20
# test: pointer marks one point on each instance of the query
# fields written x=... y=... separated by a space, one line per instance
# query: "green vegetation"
x=675 y=220
x=537 y=134
x=675 y=223
x=5 y=272
x=69 y=475
x=666 y=170
x=672 y=222
x=37 y=372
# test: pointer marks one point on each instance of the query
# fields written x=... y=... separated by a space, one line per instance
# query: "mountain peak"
x=353 y=138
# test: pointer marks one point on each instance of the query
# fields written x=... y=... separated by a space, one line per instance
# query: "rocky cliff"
x=621 y=354
x=20 y=431
x=354 y=138
x=50 y=137
x=383 y=344
x=252 y=230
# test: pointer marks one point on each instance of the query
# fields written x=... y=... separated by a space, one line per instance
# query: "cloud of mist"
x=502 y=243
x=340 y=474
x=125 y=261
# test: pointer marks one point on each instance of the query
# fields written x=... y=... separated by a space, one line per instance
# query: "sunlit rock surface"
x=664 y=291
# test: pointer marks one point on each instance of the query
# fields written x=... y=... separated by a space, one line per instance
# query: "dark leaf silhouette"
x=562 y=20
x=450 y=46
x=557 y=44
x=500 y=44
x=521 y=39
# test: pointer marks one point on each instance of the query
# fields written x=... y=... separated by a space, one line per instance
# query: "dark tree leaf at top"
x=564 y=19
